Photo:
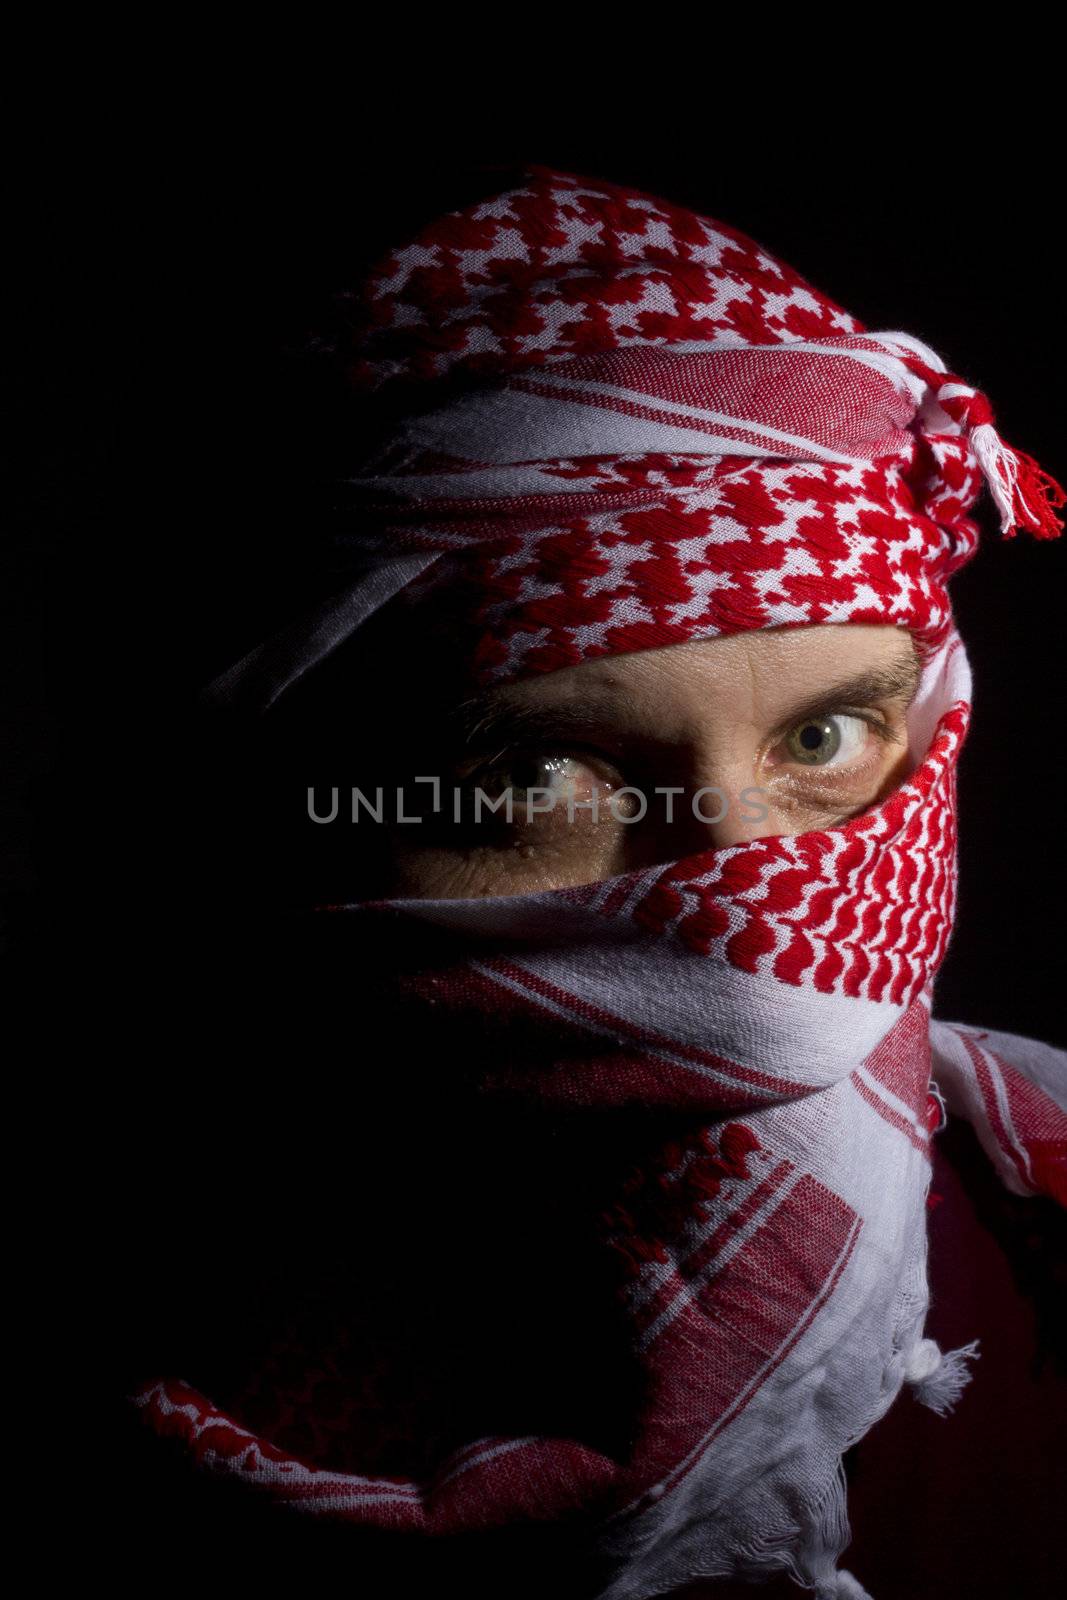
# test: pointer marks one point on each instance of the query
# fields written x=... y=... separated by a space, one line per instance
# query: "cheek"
x=547 y=856
x=802 y=801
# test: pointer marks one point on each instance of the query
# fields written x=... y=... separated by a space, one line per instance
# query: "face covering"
x=615 y=425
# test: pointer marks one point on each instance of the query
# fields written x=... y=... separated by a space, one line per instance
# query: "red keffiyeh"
x=616 y=425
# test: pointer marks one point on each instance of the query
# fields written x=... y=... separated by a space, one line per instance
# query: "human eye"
x=834 y=738
x=540 y=782
x=524 y=813
x=831 y=763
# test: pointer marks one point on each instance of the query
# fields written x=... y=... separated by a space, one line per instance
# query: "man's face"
x=776 y=731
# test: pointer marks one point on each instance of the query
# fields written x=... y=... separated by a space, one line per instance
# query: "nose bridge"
x=709 y=811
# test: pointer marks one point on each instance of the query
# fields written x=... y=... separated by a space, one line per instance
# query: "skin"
x=754 y=711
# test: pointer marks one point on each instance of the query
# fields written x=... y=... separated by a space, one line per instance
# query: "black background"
x=171 y=275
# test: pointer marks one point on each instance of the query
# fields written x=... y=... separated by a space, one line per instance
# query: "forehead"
x=770 y=663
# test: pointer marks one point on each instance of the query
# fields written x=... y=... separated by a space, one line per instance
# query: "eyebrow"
x=486 y=717
x=897 y=680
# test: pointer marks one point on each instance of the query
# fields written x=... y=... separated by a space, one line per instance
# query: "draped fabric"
x=618 y=425
x=613 y=425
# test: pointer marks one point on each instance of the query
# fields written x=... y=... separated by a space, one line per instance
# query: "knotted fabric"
x=612 y=425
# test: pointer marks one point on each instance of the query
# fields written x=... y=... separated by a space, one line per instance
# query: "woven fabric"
x=618 y=425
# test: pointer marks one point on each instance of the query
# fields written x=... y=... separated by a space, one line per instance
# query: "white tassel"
x=999 y=468
x=939 y=1379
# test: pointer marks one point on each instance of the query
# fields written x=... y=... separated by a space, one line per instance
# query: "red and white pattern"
x=607 y=509
x=617 y=425
x=625 y=425
x=772 y=1259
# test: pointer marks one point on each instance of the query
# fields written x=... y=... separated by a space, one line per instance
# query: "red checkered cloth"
x=613 y=425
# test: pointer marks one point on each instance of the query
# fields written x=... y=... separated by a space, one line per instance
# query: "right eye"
x=529 y=770
x=566 y=782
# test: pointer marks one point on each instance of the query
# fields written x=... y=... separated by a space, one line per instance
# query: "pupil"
x=527 y=771
x=815 y=741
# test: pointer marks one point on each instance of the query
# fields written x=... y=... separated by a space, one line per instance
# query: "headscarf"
x=609 y=425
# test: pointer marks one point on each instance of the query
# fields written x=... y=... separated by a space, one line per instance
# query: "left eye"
x=827 y=741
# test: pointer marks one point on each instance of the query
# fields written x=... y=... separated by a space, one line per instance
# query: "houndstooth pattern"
x=561 y=265
x=615 y=425
x=582 y=535
x=738 y=547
